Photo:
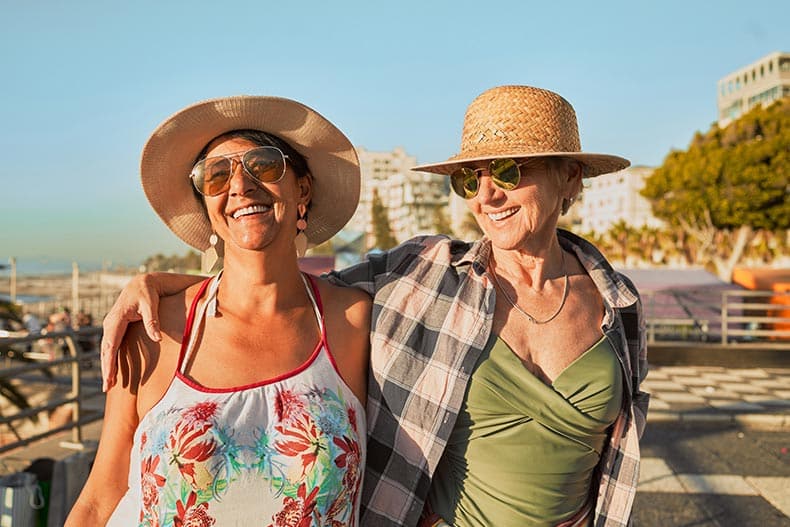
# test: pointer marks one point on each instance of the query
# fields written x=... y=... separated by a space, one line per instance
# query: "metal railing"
x=728 y=317
x=67 y=369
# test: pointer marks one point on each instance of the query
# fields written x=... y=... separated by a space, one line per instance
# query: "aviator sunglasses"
x=505 y=173
x=263 y=164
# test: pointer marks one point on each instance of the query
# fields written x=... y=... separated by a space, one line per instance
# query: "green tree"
x=729 y=184
x=382 y=232
x=441 y=223
x=160 y=262
x=324 y=249
x=470 y=228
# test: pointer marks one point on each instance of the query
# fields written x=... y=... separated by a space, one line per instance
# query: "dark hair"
x=295 y=160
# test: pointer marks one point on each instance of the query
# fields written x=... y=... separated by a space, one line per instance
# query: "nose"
x=240 y=183
x=486 y=190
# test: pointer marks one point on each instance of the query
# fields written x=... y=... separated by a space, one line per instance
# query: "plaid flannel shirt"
x=433 y=311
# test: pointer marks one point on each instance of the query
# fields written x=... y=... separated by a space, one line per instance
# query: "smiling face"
x=525 y=218
x=251 y=215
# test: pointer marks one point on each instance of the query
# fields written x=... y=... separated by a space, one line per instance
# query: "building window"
x=771 y=67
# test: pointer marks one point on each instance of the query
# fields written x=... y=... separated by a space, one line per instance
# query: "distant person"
x=250 y=410
x=32 y=323
x=87 y=342
x=505 y=377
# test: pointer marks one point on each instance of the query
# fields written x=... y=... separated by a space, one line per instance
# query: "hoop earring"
x=210 y=255
x=301 y=224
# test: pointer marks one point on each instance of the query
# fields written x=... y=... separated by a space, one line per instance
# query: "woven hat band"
x=519 y=120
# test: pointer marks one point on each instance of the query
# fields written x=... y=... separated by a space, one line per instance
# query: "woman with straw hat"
x=250 y=408
x=505 y=373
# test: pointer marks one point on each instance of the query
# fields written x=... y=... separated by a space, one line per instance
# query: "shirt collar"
x=613 y=286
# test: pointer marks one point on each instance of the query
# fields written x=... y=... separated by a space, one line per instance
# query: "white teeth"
x=496 y=216
x=252 y=209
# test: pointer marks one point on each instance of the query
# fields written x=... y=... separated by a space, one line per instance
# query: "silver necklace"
x=530 y=317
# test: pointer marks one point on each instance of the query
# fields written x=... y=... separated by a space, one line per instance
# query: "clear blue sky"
x=85 y=82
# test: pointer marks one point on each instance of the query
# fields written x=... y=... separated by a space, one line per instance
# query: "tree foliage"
x=728 y=184
x=382 y=232
x=441 y=223
x=470 y=229
x=737 y=175
x=159 y=262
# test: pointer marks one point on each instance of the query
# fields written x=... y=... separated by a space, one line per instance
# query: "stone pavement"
x=750 y=397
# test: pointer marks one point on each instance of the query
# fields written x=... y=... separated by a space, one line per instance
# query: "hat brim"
x=170 y=153
x=596 y=164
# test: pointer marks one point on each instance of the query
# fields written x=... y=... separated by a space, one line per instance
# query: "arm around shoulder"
x=108 y=479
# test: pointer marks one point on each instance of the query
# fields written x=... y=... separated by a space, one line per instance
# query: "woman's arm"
x=139 y=300
x=108 y=479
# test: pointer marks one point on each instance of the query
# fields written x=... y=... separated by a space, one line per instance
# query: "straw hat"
x=522 y=122
x=170 y=153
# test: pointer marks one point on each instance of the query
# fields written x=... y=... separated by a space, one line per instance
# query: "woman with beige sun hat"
x=250 y=408
x=505 y=373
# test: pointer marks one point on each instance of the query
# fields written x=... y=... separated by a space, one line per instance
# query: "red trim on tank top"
x=189 y=322
x=299 y=369
x=329 y=353
x=287 y=375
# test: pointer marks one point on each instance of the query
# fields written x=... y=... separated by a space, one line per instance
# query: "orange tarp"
x=768 y=280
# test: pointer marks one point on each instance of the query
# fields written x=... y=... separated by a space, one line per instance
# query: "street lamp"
x=12 y=262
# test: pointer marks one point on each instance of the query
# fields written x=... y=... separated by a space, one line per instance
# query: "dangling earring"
x=210 y=255
x=301 y=225
x=566 y=204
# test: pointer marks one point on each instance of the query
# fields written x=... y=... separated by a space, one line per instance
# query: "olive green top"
x=523 y=452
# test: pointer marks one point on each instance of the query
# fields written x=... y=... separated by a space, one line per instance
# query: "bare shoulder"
x=347 y=316
x=352 y=302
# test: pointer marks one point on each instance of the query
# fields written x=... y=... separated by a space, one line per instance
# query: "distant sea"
x=26 y=299
x=44 y=266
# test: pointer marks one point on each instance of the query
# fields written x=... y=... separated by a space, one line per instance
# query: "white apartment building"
x=610 y=198
x=412 y=200
x=410 y=197
x=761 y=82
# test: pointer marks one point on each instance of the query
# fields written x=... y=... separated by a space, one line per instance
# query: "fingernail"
x=157 y=335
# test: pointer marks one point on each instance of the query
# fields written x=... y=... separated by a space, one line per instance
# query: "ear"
x=305 y=185
x=573 y=179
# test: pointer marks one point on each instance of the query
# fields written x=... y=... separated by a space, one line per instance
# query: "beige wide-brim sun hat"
x=170 y=154
x=522 y=122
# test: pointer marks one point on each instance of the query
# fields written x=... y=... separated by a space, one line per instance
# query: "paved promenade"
x=753 y=397
x=750 y=398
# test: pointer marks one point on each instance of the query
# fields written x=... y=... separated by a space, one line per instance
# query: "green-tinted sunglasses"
x=505 y=173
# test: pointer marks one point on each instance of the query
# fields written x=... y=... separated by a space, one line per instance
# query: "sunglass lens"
x=464 y=182
x=212 y=175
x=266 y=164
x=505 y=173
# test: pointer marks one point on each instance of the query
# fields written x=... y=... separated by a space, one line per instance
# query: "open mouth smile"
x=498 y=216
x=252 y=209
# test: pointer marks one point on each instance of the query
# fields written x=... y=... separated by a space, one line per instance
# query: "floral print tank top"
x=287 y=451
